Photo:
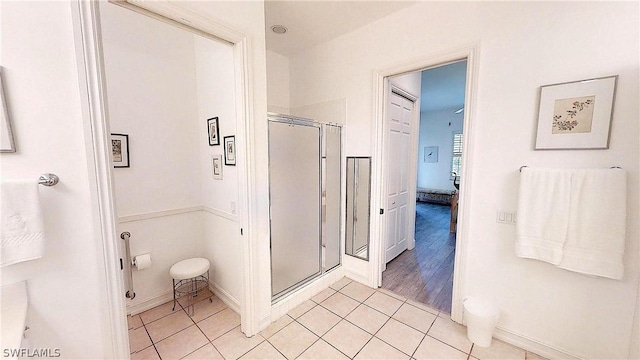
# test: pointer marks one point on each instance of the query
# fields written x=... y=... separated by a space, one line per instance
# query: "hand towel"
x=597 y=223
x=22 y=229
x=543 y=214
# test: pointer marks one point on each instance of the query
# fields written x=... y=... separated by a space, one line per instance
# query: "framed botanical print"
x=576 y=115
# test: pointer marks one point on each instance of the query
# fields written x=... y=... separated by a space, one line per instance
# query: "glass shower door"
x=295 y=195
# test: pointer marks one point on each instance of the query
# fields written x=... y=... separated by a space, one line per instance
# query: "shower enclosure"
x=304 y=190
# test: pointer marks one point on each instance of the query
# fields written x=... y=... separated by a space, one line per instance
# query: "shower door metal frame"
x=341 y=175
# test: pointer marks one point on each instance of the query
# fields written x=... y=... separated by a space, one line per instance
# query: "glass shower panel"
x=332 y=196
x=295 y=185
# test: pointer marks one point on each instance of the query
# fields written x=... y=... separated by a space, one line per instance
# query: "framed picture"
x=214 y=132
x=431 y=154
x=576 y=115
x=6 y=135
x=230 y=150
x=120 y=150
x=216 y=166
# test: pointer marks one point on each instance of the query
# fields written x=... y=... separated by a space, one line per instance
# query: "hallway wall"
x=521 y=47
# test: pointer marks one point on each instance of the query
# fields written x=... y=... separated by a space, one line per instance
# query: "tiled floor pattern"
x=346 y=321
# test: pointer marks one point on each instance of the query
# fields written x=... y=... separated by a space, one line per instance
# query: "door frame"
x=91 y=76
x=378 y=223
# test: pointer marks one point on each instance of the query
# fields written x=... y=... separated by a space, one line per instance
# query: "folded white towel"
x=543 y=214
x=22 y=230
x=597 y=223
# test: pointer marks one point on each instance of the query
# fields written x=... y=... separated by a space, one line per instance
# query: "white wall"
x=248 y=18
x=216 y=97
x=163 y=85
x=67 y=292
x=436 y=129
x=411 y=82
x=521 y=47
x=277 y=83
x=152 y=97
x=44 y=95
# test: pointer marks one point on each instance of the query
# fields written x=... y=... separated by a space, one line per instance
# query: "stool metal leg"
x=174 y=294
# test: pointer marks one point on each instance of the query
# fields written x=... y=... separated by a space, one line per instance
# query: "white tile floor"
x=346 y=321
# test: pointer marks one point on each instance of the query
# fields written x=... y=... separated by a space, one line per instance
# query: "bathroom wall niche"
x=358 y=207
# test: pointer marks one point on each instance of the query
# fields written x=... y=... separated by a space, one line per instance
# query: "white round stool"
x=189 y=276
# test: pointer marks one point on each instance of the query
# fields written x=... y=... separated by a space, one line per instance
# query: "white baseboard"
x=300 y=295
x=149 y=303
x=226 y=298
x=145 y=305
x=531 y=345
x=357 y=277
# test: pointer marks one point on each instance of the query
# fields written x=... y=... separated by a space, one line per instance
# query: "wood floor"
x=425 y=273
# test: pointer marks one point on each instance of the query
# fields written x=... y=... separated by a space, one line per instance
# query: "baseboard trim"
x=283 y=305
x=357 y=277
x=533 y=346
x=145 y=305
x=226 y=298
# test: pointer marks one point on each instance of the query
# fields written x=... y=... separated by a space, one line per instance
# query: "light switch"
x=506 y=217
x=233 y=207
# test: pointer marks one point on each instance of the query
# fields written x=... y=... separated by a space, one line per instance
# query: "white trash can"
x=481 y=320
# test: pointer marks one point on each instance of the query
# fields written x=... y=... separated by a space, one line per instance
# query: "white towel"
x=597 y=223
x=543 y=214
x=22 y=230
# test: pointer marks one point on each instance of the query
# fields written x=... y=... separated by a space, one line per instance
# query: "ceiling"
x=443 y=87
x=311 y=23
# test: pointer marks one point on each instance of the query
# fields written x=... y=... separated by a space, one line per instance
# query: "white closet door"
x=399 y=138
x=294 y=178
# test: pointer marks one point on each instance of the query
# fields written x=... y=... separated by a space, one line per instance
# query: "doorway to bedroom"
x=425 y=273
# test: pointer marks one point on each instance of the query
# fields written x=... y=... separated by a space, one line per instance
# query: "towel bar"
x=48 y=179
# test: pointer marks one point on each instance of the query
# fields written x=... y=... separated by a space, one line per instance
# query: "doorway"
x=429 y=269
x=425 y=273
x=87 y=39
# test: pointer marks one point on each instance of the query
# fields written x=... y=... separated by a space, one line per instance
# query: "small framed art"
x=431 y=154
x=120 y=150
x=214 y=131
x=216 y=166
x=230 y=150
x=576 y=115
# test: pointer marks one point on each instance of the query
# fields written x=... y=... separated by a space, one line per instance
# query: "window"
x=456 y=155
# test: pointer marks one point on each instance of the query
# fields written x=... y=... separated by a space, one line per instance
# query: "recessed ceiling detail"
x=279 y=29
x=316 y=22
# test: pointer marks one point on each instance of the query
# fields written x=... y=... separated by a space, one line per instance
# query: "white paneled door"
x=399 y=128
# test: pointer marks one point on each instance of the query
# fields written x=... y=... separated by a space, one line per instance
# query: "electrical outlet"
x=506 y=217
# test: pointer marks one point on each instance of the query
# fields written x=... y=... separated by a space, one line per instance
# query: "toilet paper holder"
x=141 y=261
